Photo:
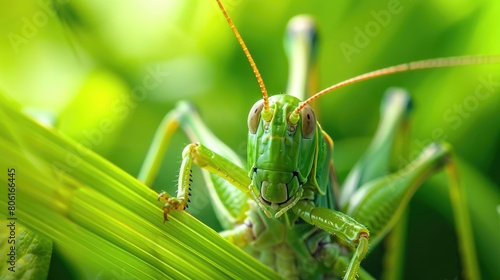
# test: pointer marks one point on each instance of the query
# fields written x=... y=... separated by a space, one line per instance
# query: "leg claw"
x=171 y=203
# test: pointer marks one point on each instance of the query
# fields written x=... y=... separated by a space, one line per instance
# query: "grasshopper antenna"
x=266 y=114
x=416 y=65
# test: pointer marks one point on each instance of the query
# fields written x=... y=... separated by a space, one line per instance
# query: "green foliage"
x=102 y=220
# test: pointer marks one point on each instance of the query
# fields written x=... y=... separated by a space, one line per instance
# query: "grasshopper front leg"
x=230 y=204
x=205 y=158
x=341 y=225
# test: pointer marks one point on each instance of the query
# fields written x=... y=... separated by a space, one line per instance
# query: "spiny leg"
x=342 y=265
x=346 y=229
x=378 y=204
x=230 y=204
x=210 y=161
x=328 y=253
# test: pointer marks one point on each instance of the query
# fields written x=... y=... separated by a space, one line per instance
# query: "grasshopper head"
x=281 y=151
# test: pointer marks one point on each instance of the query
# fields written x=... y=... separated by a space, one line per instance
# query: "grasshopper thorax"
x=280 y=153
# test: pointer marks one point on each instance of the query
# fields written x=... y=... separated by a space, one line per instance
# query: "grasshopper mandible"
x=287 y=208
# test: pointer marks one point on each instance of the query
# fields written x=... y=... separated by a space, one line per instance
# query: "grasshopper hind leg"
x=376 y=194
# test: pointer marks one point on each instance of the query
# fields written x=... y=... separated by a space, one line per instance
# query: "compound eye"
x=308 y=122
x=254 y=116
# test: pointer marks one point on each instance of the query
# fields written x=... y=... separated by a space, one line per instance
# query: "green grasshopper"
x=287 y=208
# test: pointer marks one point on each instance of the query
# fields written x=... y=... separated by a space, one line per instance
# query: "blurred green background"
x=109 y=71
